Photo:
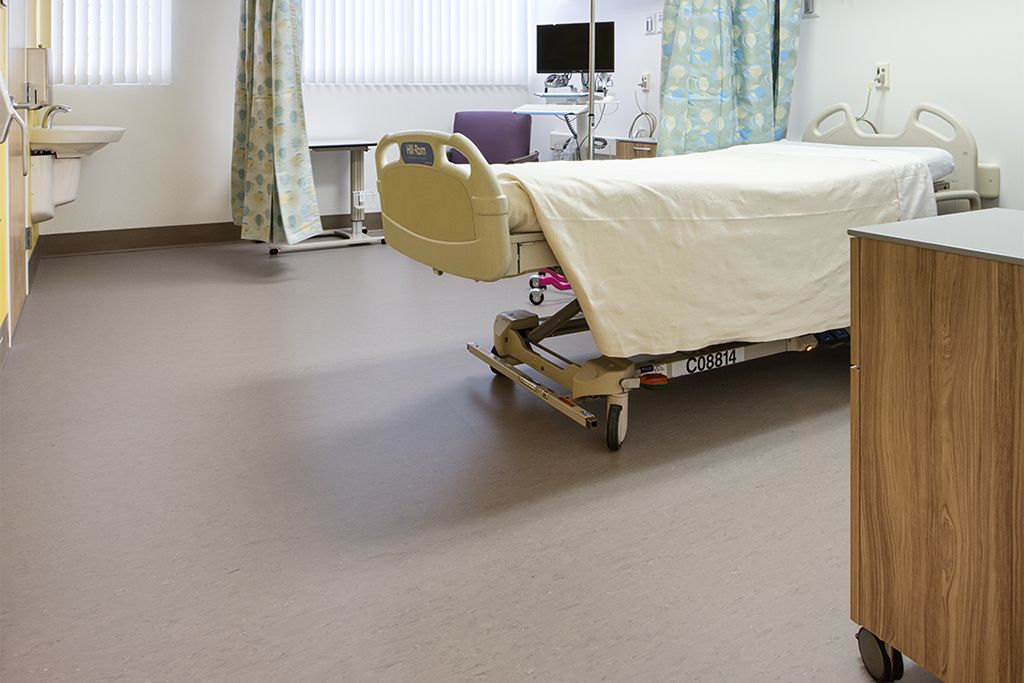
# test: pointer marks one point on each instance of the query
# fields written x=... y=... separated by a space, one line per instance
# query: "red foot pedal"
x=654 y=381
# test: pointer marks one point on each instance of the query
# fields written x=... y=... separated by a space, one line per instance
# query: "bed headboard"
x=453 y=218
x=960 y=143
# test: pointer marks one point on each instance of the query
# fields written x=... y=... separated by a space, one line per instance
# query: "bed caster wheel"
x=882 y=666
x=494 y=352
x=614 y=432
x=275 y=252
x=536 y=297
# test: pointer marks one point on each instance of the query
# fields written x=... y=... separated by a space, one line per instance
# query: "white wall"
x=173 y=165
x=371 y=111
x=635 y=53
x=967 y=58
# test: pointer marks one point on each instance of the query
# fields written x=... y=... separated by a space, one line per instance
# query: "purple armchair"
x=501 y=136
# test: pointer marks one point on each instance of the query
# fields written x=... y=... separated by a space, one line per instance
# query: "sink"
x=56 y=163
x=69 y=142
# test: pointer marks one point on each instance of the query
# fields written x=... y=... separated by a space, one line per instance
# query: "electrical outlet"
x=558 y=140
x=883 y=79
x=654 y=24
x=645 y=82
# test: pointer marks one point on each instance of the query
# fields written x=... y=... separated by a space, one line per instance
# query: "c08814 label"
x=712 y=361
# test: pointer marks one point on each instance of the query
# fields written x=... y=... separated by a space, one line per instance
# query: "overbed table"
x=356 y=235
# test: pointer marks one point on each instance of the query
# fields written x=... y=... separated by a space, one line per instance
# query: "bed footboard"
x=453 y=218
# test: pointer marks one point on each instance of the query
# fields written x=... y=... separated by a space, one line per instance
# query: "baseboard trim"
x=133 y=239
x=33 y=265
x=164 y=237
x=5 y=340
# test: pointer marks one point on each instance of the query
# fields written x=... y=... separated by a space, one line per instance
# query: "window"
x=107 y=42
x=415 y=42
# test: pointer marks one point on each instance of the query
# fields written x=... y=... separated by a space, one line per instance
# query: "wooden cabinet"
x=938 y=443
x=636 y=149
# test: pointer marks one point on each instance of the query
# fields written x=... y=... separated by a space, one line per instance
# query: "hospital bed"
x=701 y=227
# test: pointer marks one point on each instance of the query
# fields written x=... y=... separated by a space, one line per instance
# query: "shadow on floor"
x=438 y=441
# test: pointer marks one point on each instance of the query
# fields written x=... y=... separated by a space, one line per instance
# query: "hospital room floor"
x=219 y=466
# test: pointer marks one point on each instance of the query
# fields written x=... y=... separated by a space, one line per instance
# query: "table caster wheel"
x=613 y=428
x=877 y=660
x=536 y=297
x=535 y=283
x=275 y=252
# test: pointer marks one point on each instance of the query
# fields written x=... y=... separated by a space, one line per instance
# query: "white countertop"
x=551 y=109
x=994 y=234
x=340 y=143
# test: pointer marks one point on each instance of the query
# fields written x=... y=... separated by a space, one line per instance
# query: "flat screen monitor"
x=565 y=48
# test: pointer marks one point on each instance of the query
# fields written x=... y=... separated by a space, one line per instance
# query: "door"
x=18 y=218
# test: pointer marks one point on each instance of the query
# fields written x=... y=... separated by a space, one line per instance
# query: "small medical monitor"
x=565 y=48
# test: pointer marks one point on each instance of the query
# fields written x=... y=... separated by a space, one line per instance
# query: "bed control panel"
x=834 y=337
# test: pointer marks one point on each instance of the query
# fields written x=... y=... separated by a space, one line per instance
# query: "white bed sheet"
x=940 y=161
x=744 y=244
x=916 y=200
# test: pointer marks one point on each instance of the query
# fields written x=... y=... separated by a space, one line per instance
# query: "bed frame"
x=454 y=219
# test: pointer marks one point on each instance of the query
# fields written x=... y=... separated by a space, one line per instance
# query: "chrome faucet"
x=50 y=112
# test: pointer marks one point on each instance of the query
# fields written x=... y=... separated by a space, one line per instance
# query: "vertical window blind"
x=107 y=42
x=415 y=42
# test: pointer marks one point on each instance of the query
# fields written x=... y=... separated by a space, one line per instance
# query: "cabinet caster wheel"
x=875 y=655
x=612 y=428
x=275 y=252
x=536 y=297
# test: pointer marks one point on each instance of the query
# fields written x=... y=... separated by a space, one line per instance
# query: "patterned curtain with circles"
x=727 y=72
x=272 y=193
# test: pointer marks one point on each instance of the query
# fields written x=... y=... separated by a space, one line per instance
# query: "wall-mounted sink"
x=69 y=142
x=57 y=163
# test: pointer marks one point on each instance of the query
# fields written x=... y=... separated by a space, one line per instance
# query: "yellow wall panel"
x=4 y=203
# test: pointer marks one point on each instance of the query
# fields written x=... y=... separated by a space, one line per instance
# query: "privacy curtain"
x=727 y=72
x=273 y=197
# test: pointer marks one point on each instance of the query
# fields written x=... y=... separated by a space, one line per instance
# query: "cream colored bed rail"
x=453 y=218
x=960 y=142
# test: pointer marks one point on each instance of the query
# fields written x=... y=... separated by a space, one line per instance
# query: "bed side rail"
x=916 y=133
x=453 y=218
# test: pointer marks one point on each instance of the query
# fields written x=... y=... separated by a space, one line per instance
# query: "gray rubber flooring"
x=219 y=466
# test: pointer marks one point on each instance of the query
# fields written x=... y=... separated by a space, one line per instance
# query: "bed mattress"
x=743 y=244
x=905 y=163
